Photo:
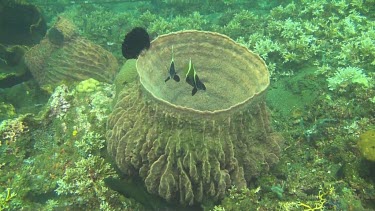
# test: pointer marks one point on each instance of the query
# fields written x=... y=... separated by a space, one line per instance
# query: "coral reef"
x=239 y=199
x=58 y=104
x=59 y=151
x=85 y=182
x=346 y=76
x=324 y=114
x=5 y=200
x=63 y=56
x=187 y=148
x=6 y=111
x=11 y=129
x=90 y=144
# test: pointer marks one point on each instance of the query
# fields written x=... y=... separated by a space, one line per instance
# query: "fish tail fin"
x=200 y=85
x=194 y=91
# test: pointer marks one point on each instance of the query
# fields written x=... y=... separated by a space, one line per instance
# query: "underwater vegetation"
x=57 y=154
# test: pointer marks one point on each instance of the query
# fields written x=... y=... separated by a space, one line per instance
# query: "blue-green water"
x=60 y=72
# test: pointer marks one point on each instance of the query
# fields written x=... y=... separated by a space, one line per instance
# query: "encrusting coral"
x=64 y=56
x=193 y=148
x=89 y=85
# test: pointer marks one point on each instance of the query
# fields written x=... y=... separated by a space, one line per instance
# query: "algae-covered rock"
x=366 y=145
x=193 y=148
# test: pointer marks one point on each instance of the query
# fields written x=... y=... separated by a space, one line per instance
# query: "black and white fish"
x=193 y=80
x=172 y=71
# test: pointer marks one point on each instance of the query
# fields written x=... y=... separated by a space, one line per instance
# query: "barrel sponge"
x=193 y=148
x=127 y=74
x=72 y=59
x=62 y=31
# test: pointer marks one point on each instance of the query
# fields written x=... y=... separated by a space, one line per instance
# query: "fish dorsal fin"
x=172 y=70
x=190 y=73
x=172 y=59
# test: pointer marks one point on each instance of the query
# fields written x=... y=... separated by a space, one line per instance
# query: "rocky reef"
x=193 y=148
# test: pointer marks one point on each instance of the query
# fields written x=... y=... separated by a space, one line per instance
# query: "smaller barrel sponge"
x=127 y=74
x=191 y=149
x=62 y=31
x=63 y=56
x=366 y=145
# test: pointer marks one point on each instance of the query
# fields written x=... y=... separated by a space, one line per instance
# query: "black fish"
x=172 y=71
x=193 y=80
x=135 y=41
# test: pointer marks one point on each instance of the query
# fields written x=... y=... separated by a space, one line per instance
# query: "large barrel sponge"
x=64 y=56
x=193 y=148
